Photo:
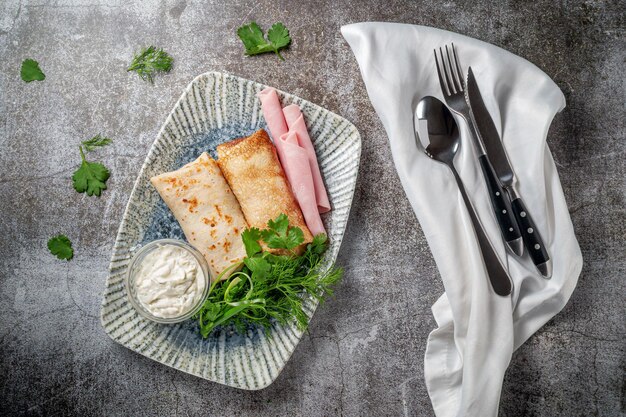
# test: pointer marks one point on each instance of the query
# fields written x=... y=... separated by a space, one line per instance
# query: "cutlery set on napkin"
x=493 y=256
x=441 y=140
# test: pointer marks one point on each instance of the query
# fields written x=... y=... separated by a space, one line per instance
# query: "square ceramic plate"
x=216 y=108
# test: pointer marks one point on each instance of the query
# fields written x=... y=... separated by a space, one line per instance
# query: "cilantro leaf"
x=319 y=244
x=280 y=224
x=255 y=42
x=31 y=72
x=279 y=235
x=290 y=240
x=95 y=142
x=150 y=61
x=61 y=247
x=278 y=35
x=91 y=178
x=253 y=39
x=259 y=266
x=251 y=239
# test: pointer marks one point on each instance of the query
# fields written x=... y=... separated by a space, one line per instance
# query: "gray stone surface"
x=365 y=349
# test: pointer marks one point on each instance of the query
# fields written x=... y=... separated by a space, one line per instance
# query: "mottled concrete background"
x=365 y=349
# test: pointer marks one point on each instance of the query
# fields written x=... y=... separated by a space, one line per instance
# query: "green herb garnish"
x=255 y=42
x=61 y=247
x=91 y=177
x=150 y=61
x=269 y=287
x=278 y=235
x=251 y=239
x=31 y=72
x=96 y=142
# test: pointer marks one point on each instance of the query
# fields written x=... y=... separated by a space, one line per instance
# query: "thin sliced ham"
x=296 y=166
x=295 y=123
x=273 y=113
x=297 y=156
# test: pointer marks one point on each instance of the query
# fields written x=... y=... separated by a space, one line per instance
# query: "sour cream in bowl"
x=168 y=281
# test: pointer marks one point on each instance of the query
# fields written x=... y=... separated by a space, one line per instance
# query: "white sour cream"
x=169 y=281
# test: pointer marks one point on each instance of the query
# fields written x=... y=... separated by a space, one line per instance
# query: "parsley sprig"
x=269 y=287
x=91 y=177
x=61 y=247
x=255 y=42
x=31 y=72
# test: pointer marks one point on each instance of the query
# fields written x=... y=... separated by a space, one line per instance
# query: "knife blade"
x=500 y=163
x=488 y=132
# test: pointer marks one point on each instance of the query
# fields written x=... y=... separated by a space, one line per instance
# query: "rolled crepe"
x=207 y=211
x=295 y=123
x=252 y=169
x=296 y=166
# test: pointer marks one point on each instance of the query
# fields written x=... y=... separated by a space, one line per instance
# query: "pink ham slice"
x=294 y=152
x=296 y=166
x=295 y=123
x=273 y=114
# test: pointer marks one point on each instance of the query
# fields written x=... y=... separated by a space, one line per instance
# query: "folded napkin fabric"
x=477 y=331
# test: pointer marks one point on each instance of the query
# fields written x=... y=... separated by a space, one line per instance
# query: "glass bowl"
x=133 y=268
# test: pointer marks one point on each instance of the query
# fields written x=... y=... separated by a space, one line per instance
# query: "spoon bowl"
x=441 y=137
x=438 y=132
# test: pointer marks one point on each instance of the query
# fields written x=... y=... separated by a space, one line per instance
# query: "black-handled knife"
x=532 y=239
x=502 y=208
x=499 y=199
x=503 y=170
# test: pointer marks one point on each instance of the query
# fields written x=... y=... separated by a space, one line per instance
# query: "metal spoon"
x=442 y=142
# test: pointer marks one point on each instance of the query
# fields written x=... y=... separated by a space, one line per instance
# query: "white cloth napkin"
x=469 y=351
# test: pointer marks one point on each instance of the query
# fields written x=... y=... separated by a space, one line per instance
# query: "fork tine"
x=453 y=71
x=442 y=81
x=457 y=61
x=447 y=71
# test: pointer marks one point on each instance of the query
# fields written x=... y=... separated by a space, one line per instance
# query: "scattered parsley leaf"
x=90 y=177
x=278 y=35
x=95 y=142
x=61 y=247
x=251 y=239
x=252 y=37
x=279 y=235
x=255 y=43
x=31 y=72
x=150 y=61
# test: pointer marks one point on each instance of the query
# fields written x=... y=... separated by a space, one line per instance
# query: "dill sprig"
x=96 y=142
x=150 y=61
